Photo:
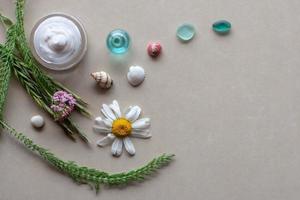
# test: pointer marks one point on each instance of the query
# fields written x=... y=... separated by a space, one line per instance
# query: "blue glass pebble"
x=221 y=27
x=186 y=32
x=118 y=41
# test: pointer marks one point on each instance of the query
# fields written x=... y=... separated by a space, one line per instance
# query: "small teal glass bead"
x=185 y=32
x=118 y=41
x=221 y=27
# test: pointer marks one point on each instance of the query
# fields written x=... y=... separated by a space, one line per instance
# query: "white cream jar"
x=58 y=41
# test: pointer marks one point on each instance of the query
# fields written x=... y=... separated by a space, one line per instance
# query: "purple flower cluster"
x=63 y=104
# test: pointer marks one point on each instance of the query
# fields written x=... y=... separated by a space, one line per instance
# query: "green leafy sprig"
x=16 y=56
x=6 y=59
x=87 y=175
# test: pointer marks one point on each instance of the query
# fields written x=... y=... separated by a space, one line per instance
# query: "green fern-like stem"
x=46 y=83
x=87 y=175
x=24 y=75
x=6 y=65
x=15 y=56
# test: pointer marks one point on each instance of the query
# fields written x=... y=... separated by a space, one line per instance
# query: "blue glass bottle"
x=118 y=41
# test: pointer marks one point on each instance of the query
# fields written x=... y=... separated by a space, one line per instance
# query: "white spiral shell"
x=103 y=79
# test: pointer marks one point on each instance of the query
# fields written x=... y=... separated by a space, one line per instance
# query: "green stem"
x=82 y=174
x=5 y=66
x=47 y=84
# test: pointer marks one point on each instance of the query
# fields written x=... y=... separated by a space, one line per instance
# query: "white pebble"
x=37 y=121
x=136 y=75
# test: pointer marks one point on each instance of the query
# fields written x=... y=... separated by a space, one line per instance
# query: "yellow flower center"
x=121 y=127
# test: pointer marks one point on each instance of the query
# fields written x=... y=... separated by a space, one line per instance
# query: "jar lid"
x=118 y=41
x=58 y=41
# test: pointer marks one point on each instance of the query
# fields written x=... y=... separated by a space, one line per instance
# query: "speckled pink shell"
x=154 y=49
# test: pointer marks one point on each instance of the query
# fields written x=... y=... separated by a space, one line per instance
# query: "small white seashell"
x=136 y=75
x=37 y=121
x=103 y=79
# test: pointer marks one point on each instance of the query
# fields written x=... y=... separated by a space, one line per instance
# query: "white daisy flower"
x=119 y=128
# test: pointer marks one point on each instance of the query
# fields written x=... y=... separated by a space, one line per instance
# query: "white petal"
x=108 y=112
x=116 y=148
x=106 y=140
x=141 y=134
x=129 y=146
x=127 y=110
x=103 y=122
x=101 y=129
x=116 y=108
x=141 y=123
x=134 y=113
x=137 y=114
x=98 y=121
x=108 y=122
x=106 y=116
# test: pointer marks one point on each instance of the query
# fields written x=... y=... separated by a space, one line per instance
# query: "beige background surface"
x=228 y=107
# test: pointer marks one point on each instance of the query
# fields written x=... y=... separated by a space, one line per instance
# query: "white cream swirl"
x=57 y=40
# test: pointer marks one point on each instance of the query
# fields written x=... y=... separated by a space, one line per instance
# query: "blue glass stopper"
x=186 y=32
x=118 y=41
x=221 y=27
